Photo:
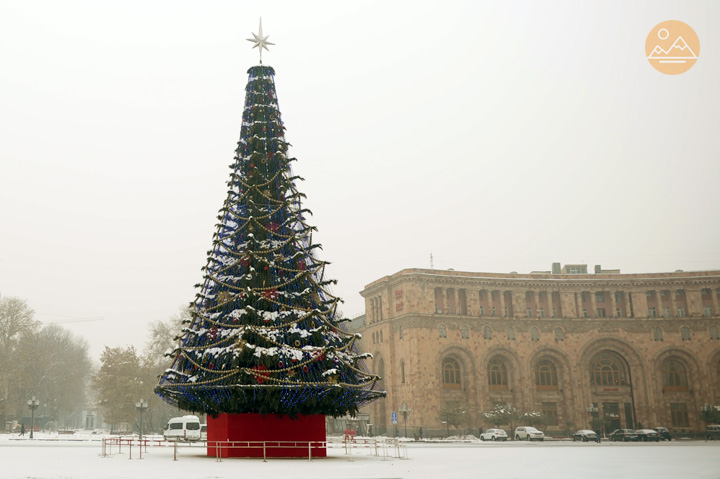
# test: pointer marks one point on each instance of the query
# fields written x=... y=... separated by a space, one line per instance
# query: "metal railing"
x=386 y=448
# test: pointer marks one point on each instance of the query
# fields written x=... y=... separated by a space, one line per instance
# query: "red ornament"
x=270 y=294
x=266 y=268
x=280 y=365
x=244 y=261
x=260 y=375
x=306 y=369
x=301 y=265
x=272 y=226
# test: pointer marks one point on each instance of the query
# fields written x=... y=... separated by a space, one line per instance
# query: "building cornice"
x=557 y=282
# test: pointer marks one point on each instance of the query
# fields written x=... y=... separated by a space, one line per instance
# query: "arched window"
x=381 y=338
x=559 y=335
x=374 y=337
x=400 y=332
x=487 y=332
x=674 y=376
x=534 y=334
x=546 y=375
x=442 y=331
x=657 y=334
x=497 y=374
x=402 y=372
x=607 y=369
x=685 y=333
x=451 y=373
x=465 y=332
x=510 y=331
x=714 y=332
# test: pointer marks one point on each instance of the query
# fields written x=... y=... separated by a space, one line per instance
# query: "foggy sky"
x=495 y=136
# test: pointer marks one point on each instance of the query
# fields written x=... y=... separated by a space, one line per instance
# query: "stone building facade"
x=644 y=349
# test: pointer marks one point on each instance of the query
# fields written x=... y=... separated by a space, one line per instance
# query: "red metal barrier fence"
x=385 y=448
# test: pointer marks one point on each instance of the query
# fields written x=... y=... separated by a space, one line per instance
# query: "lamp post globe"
x=141 y=406
x=594 y=411
x=405 y=410
x=33 y=404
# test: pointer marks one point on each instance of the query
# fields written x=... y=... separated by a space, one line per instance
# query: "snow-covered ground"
x=79 y=457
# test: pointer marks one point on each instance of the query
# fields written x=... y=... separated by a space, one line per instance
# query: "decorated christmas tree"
x=265 y=335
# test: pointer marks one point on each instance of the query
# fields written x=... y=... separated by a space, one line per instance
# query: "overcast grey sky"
x=498 y=136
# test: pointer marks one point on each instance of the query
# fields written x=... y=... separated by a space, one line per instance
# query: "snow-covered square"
x=81 y=458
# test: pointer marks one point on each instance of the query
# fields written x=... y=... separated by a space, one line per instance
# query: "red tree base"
x=266 y=435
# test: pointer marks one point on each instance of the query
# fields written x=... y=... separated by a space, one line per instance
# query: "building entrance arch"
x=612 y=388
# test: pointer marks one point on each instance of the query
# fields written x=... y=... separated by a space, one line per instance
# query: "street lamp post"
x=141 y=406
x=593 y=410
x=33 y=405
x=405 y=410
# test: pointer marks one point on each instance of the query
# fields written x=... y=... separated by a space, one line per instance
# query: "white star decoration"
x=260 y=41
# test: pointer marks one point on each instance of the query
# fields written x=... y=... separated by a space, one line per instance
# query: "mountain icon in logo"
x=677 y=51
x=672 y=47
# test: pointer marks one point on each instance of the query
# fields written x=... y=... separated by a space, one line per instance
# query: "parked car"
x=647 y=435
x=664 y=433
x=494 y=435
x=528 y=433
x=184 y=428
x=712 y=432
x=584 y=435
x=623 y=435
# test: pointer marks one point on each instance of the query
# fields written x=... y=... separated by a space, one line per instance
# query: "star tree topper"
x=260 y=41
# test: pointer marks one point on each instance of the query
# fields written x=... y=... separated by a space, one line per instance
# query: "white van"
x=185 y=428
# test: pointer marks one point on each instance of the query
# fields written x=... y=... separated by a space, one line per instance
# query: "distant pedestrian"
x=598 y=437
x=421 y=434
x=22 y=429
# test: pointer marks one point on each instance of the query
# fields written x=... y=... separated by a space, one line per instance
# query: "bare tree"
x=63 y=367
x=163 y=339
x=119 y=384
x=456 y=414
x=17 y=324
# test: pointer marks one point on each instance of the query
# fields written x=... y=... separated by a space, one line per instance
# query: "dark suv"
x=664 y=433
x=623 y=435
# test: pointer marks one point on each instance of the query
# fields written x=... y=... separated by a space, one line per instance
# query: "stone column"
x=519 y=303
x=673 y=306
x=593 y=305
x=693 y=297
x=640 y=304
x=578 y=305
x=613 y=305
x=626 y=299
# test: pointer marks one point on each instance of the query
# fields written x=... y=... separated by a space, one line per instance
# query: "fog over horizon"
x=495 y=137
